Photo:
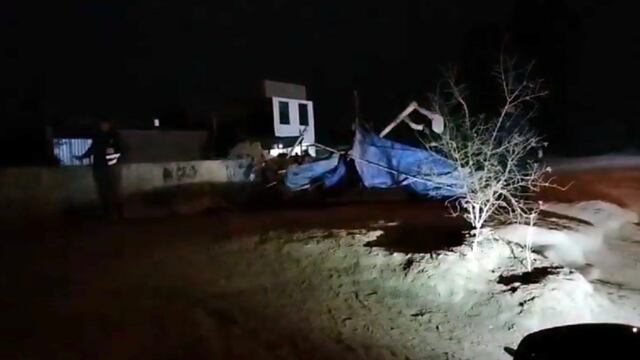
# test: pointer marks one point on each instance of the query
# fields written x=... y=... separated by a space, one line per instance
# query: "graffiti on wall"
x=179 y=173
x=227 y=171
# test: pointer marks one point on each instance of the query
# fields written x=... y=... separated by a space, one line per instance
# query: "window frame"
x=280 y=108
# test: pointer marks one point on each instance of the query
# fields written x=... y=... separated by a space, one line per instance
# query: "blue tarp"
x=383 y=163
x=328 y=171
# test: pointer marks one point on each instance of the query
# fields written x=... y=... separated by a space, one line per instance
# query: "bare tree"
x=496 y=154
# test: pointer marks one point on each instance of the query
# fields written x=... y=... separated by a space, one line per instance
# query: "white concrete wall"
x=144 y=177
x=42 y=191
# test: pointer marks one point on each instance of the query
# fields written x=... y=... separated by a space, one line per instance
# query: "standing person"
x=106 y=151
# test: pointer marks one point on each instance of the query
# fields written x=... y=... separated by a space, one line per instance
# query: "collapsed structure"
x=382 y=163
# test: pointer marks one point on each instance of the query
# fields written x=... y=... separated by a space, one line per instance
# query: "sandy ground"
x=150 y=288
x=335 y=282
x=617 y=186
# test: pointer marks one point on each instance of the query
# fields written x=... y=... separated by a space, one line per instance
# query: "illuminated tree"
x=496 y=154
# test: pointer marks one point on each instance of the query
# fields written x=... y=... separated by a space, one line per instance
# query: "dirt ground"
x=114 y=290
x=617 y=186
x=151 y=288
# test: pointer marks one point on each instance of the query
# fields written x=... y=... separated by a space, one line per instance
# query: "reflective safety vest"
x=112 y=156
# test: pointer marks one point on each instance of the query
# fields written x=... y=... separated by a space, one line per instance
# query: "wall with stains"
x=146 y=188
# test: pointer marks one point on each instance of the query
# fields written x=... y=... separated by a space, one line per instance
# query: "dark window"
x=303 y=112
x=283 y=107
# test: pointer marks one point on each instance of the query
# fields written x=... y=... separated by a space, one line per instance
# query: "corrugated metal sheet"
x=67 y=149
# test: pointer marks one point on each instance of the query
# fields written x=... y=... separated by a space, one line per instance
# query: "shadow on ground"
x=420 y=238
x=92 y=289
x=534 y=276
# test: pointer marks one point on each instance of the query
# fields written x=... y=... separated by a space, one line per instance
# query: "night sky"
x=72 y=60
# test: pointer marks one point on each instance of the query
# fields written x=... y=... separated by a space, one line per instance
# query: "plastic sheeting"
x=383 y=163
x=328 y=172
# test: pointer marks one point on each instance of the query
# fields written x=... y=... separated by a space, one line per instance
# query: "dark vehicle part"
x=581 y=341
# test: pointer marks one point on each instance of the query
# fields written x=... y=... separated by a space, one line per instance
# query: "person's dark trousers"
x=107 y=179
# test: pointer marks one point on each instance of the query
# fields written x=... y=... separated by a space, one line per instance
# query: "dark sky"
x=133 y=55
x=136 y=59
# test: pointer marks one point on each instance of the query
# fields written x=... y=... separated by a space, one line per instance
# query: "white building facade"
x=293 y=117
